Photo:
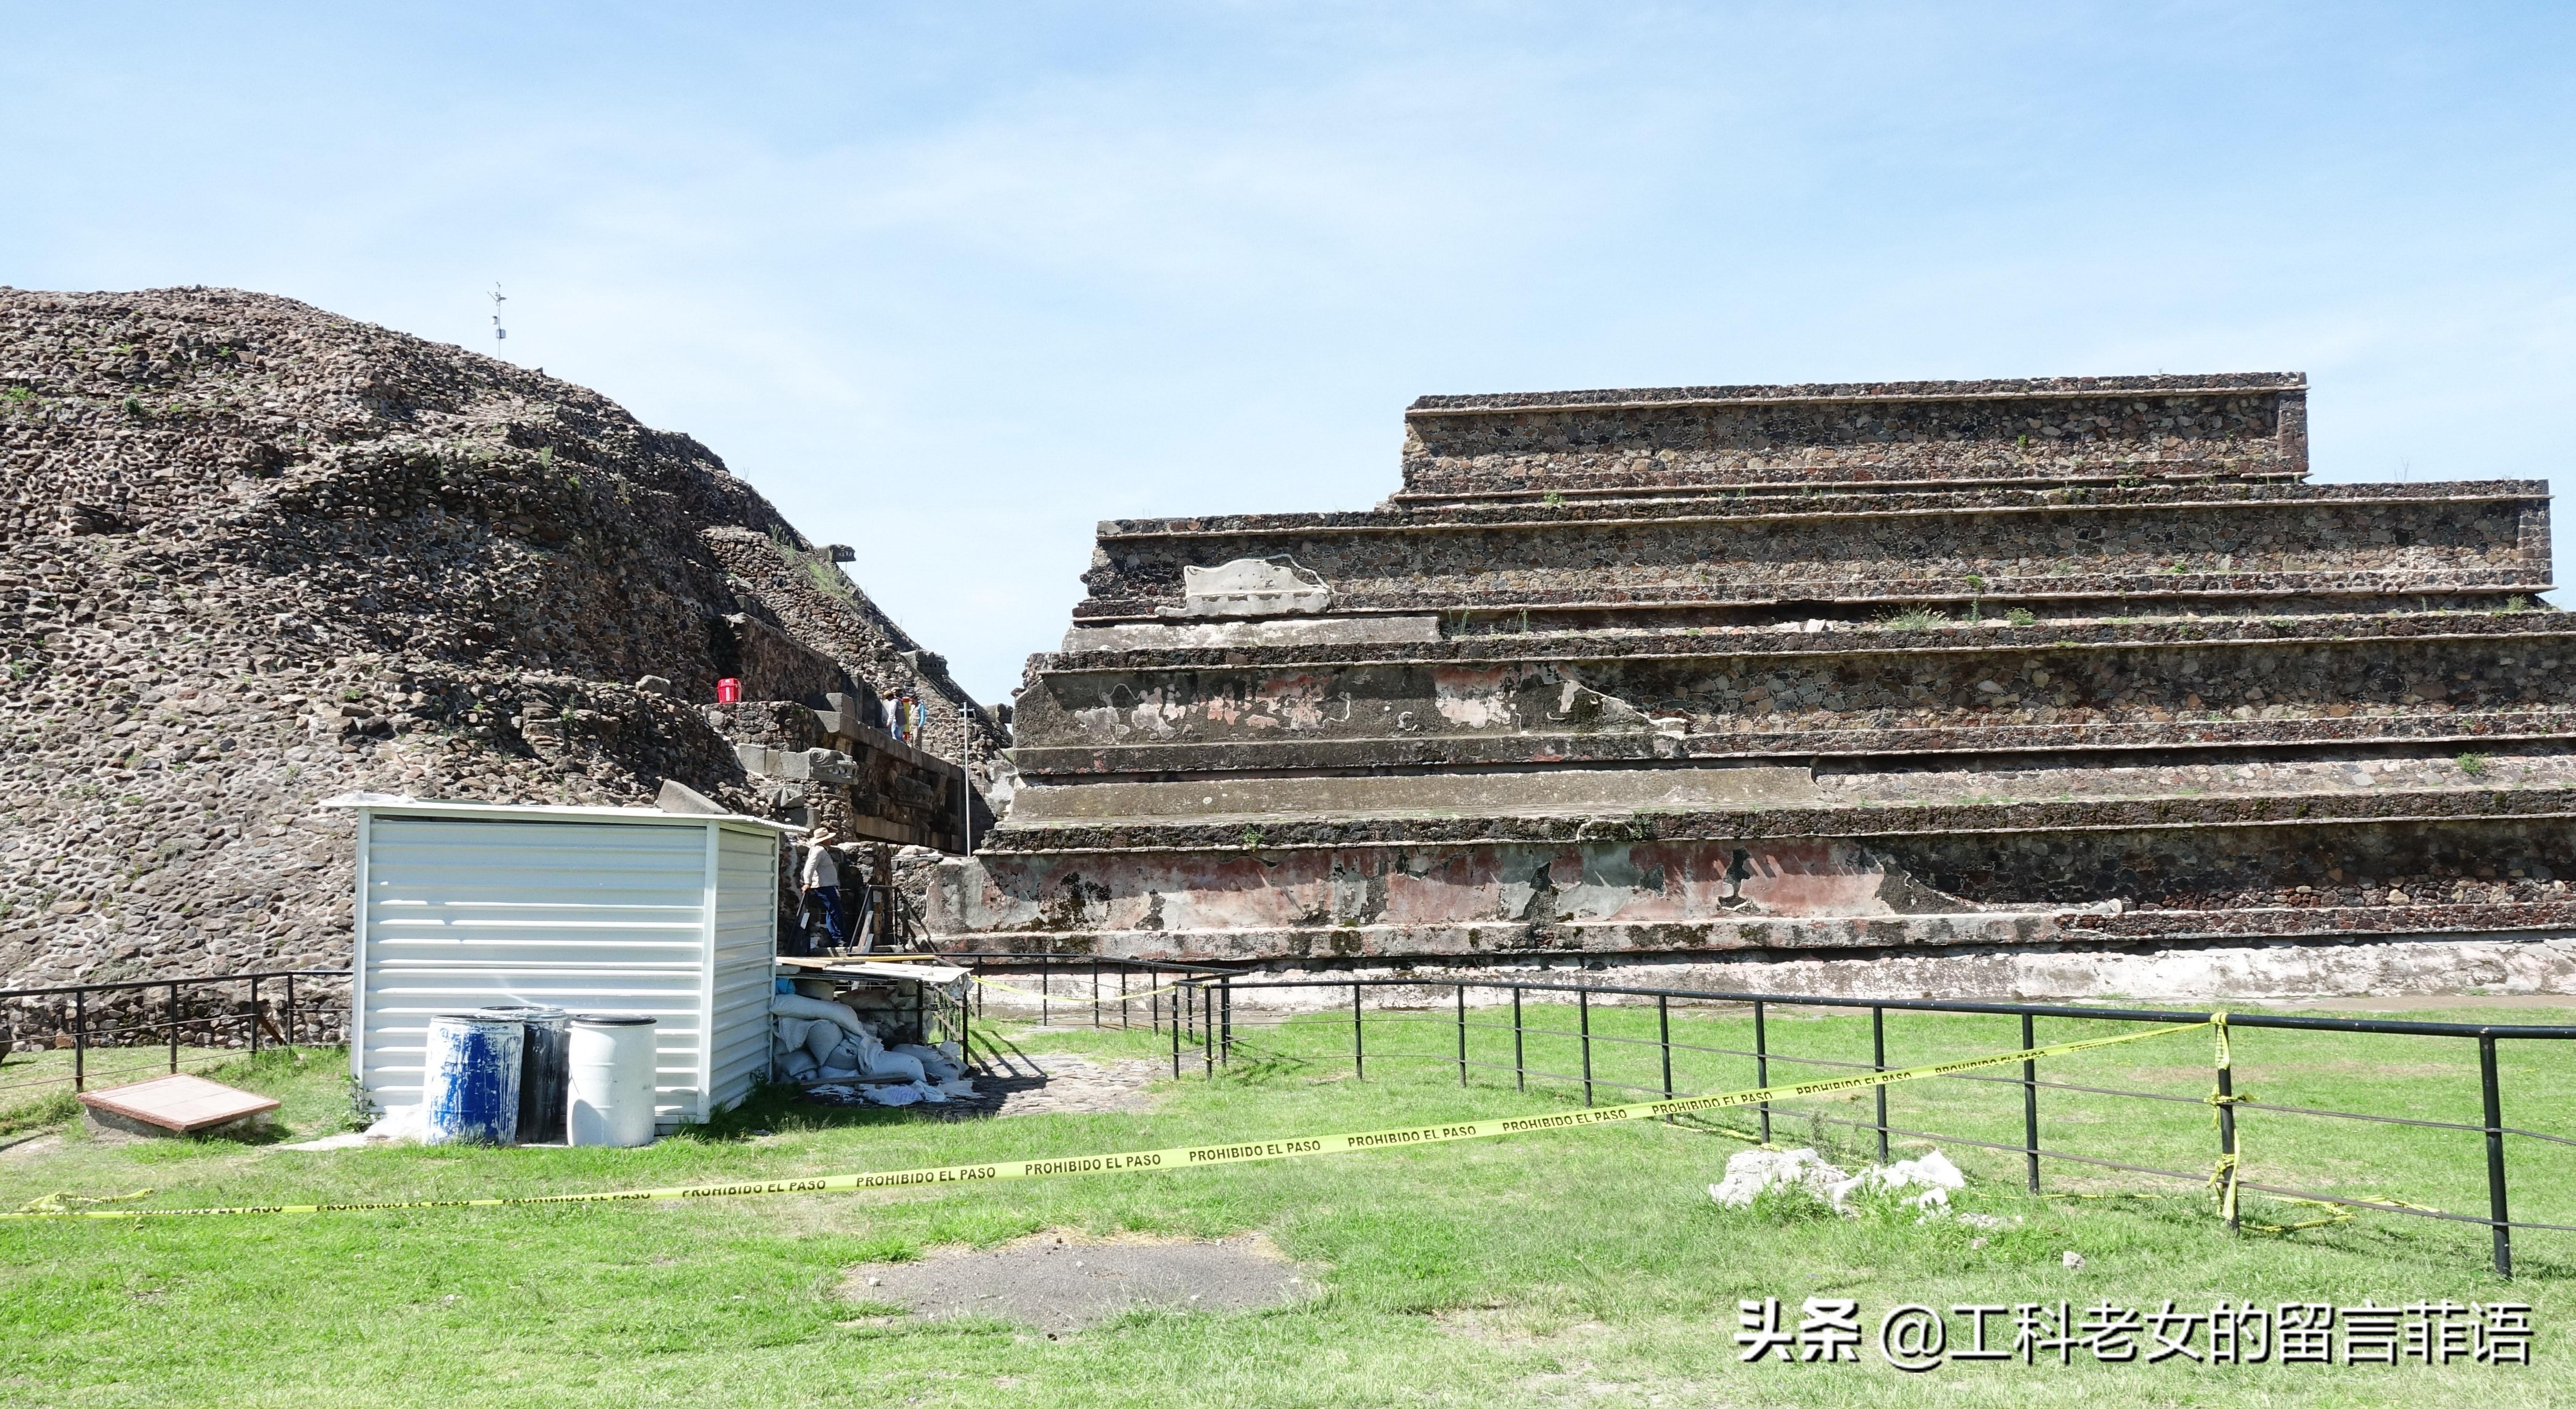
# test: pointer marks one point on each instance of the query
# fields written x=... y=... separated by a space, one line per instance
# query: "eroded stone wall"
x=1661 y=438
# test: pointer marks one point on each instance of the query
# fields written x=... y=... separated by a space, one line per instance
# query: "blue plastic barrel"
x=470 y=1080
x=545 y=1069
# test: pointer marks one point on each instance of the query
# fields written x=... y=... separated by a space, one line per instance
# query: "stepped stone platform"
x=1931 y=678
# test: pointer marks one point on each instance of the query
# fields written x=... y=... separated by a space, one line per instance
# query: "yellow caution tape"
x=1183 y=1156
x=58 y=1202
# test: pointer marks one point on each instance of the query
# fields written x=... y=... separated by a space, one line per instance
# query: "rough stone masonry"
x=253 y=555
x=2046 y=687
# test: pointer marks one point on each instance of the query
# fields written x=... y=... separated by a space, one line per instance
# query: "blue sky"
x=951 y=282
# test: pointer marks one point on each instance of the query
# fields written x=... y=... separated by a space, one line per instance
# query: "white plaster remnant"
x=1273 y=586
x=1470 y=699
x=1155 y=713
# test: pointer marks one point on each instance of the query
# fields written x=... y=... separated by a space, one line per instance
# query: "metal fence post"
x=1225 y=1015
x=1046 y=1017
x=1762 y=1065
x=1462 y=1033
x=1176 y=1034
x=1878 y=1062
x=1664 y=1035
x=290 y=1009
x=2030 y=1105
x=1095 y=992
x=1520 y=1066
x=1122 y=998
x=2227 y=1140
x=2495 y=1154
x=1359 y=1056
x=1207 y=1032
x=254 y=1017
x=174 y=1027
x=1583 y=1018
x=80 y=1041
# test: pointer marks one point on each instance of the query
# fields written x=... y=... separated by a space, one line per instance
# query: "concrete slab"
x=178 y=1104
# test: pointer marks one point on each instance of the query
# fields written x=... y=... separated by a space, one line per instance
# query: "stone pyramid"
x=2065 y=685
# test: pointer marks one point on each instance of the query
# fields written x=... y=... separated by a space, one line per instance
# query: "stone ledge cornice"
x=2422 y=807
x=1951 y=639
x=1995 y=389
x=1826 y=504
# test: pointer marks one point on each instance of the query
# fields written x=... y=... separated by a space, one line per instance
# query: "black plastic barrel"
x=545 y=1070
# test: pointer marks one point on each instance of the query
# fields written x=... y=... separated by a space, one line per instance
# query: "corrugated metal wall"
x=589 y=916
x=745 y=960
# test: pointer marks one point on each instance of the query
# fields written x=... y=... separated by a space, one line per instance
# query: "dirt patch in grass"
x=1062 y=1281
x=1058 y=1083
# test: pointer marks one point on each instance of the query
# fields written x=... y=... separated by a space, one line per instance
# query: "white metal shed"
x=593 y=909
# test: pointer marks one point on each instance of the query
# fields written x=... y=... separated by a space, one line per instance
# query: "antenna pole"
x=499 y=333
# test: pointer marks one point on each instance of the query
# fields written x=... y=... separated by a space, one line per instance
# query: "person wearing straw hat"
x=822 y=881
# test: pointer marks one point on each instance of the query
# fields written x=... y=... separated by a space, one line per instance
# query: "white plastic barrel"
x=612 y=1080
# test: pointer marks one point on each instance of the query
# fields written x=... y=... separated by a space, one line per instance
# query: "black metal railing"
x=1115 y=993
x=1196 y=1003
x=102 y=1025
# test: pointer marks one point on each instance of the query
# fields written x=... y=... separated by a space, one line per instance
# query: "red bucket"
x=729 y=691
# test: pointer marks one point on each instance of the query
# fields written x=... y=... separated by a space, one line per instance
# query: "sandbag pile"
x=815 y=1039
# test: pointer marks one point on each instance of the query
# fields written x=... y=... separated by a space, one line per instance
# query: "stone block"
x=825 y=766
x=676 y=796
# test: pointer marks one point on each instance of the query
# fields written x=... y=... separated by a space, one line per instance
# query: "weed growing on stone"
x=2473 y=764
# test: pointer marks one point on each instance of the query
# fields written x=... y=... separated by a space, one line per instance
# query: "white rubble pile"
x=1752 y=1171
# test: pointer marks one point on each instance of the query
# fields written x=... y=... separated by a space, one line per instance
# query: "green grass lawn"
x=1582 y=1267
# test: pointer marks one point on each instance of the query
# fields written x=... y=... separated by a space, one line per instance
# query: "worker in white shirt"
x=822 y=881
